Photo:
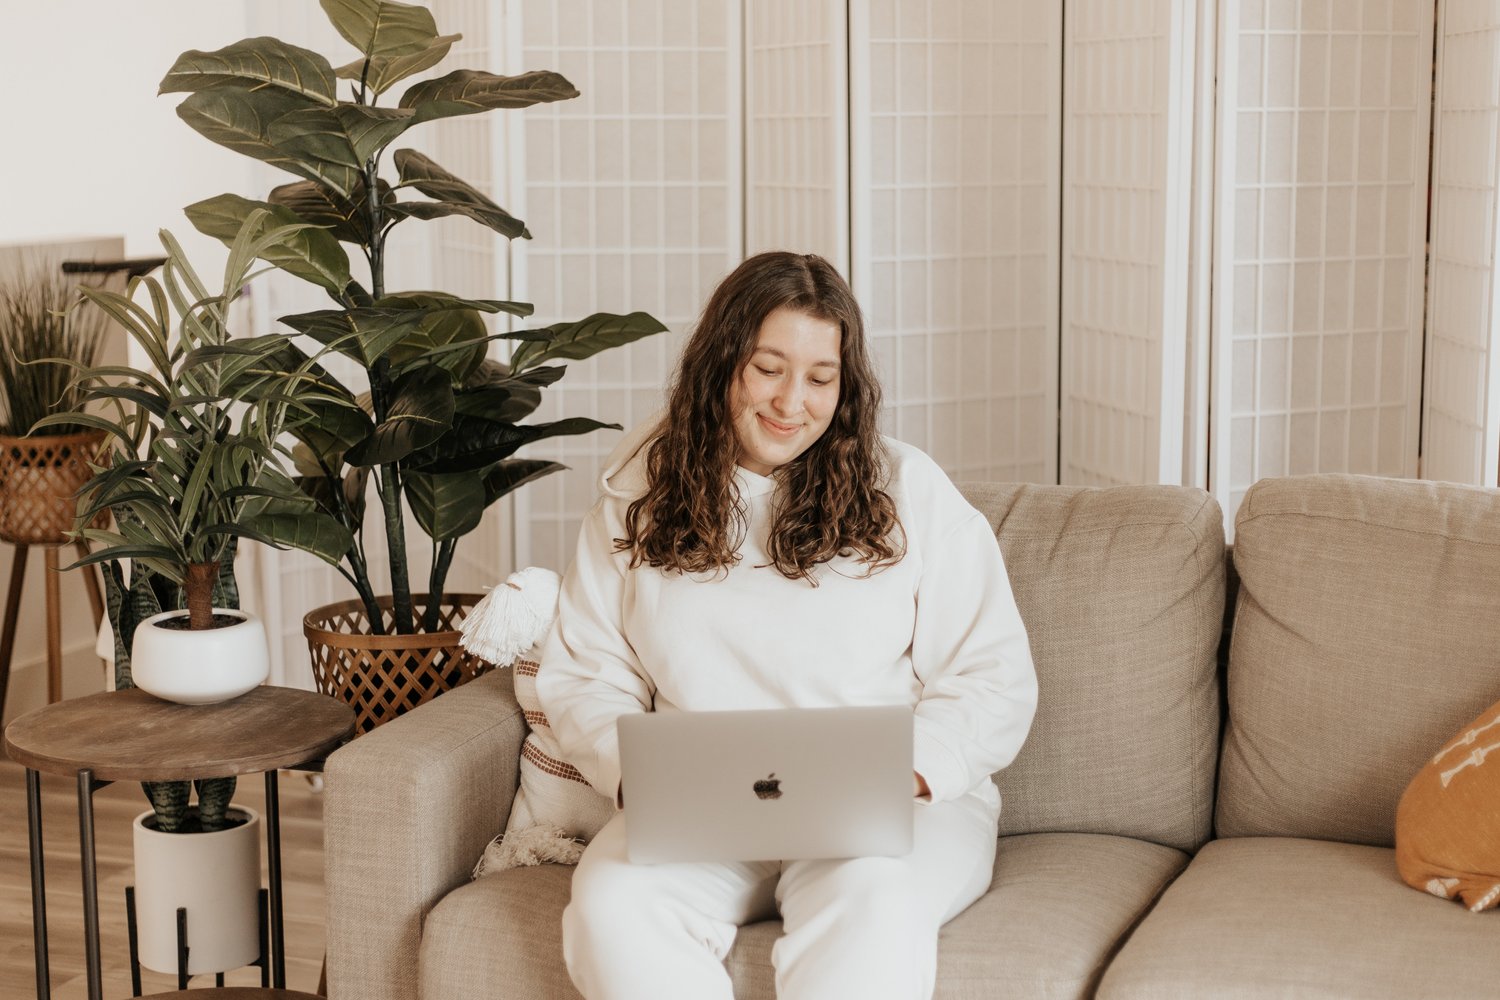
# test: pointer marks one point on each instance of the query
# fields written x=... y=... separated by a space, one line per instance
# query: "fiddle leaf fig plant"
x=440 y=421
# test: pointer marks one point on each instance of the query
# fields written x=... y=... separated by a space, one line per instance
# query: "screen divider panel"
x=1321 y=225
x=1127 y=199
x=954 y=122
x=797 y=128
x=1461 y=426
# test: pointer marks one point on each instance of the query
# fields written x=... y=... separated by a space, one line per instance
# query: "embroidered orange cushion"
x=1448 y=822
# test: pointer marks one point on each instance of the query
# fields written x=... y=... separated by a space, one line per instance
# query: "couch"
x=1205 y=806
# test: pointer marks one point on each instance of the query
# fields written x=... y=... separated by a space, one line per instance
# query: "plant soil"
x=181 y=623
x=192 y=824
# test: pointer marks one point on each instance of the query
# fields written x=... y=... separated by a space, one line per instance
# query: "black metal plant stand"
x=262 y=961
x=273 y=926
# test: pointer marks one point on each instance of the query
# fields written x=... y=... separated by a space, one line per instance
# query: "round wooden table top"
x=134 y=736
x=235 y=993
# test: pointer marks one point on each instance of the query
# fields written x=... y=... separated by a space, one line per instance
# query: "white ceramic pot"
x=202 y=667
x=215 y=877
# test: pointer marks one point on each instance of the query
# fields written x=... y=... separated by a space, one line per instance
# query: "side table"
x=133 y=736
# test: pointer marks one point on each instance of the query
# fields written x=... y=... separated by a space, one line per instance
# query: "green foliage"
x=38 y=323
x=442 y=421
x=193 y=439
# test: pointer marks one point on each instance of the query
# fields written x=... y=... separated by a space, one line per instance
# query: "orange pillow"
x=1448 y=822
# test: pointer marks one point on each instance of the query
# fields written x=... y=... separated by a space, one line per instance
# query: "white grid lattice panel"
x=1462 y=420
x=797 y=128
x=1318 y=321
x=955 y=125
x=633 y=193
x=1126 y=208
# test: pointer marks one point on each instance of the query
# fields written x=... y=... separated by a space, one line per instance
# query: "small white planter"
x=202 y=667
x=216 y=878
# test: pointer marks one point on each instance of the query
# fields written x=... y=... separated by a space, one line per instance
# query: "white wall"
x=90 y=147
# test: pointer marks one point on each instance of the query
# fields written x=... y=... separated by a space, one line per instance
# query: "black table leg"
x=273 y=860
x=38 y=884
x=90 y=883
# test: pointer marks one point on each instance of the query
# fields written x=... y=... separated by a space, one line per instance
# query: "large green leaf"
x=441 y=328
x=585 y=338
x=287 y=524
x=385 y=71
x=311 y=254
x=241 y=120
x=332 y=430
x=364 y=334
x=254 y=62
x=382 y=27
x=475 y=443
x=446 y=506
x=343 y=217
x=455 y=196
x=467 y=92
x=513 y=473
x=420 y=412
x=500 y=396
x=340 y=138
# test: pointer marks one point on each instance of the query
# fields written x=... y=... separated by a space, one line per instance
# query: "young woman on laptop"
x=761 y=546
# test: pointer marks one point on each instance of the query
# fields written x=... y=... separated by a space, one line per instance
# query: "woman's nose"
x=788 y=399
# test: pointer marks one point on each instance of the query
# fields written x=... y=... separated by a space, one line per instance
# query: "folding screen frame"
x=1461 y=398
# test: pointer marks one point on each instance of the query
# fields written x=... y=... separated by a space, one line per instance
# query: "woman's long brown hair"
x=831 y=500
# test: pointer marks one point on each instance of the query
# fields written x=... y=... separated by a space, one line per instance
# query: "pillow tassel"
x=534 y=845
x=513 y=616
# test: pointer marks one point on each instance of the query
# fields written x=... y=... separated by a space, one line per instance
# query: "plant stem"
x=198 y=587
x=442 y=558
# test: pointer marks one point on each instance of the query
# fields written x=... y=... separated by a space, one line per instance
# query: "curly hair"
x=831 y=498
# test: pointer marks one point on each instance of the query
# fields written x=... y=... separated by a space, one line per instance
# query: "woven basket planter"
x=382 y=676
x=39 y=476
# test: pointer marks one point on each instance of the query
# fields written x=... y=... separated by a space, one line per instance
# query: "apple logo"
x=768 y=787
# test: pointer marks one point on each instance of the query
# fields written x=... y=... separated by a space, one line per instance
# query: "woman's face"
x=785 y=397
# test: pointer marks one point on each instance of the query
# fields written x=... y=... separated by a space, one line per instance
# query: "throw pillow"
x=555 y=810
x=1448 y=821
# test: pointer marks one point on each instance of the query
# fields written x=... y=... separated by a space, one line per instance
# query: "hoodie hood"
x=624 y=472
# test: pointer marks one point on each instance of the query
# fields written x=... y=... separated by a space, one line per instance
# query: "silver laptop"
x=771 y=785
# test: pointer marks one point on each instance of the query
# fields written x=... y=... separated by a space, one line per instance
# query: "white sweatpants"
x=863 y=928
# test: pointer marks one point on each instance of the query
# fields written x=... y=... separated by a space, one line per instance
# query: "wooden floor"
x=115 y=807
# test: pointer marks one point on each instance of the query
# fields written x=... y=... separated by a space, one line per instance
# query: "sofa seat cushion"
x=1058 y=906
x=1273 y=916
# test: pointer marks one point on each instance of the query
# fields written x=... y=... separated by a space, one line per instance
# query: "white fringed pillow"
x=556 y=811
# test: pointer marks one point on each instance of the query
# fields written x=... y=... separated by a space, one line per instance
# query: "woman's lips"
x=780 y=430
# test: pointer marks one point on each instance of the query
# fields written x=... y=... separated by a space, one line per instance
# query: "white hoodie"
x=938 y=631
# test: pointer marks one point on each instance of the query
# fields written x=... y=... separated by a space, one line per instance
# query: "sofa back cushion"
x=1122 y=593
x=1367 y=630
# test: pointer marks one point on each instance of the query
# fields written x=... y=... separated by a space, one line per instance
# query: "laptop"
x=768 y=785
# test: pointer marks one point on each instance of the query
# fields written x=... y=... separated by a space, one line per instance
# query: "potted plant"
x=194 y=463
x=40 y=472
x=440 y=421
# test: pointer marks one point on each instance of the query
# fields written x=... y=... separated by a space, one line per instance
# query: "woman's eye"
x=766 y=371
x=820 y=382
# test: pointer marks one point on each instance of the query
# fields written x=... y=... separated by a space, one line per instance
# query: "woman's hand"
x=919 y=786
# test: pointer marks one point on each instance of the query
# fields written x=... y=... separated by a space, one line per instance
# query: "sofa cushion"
x=1365 y=635
x=1122 y=592
x=1254 y=917
x=1057 y=908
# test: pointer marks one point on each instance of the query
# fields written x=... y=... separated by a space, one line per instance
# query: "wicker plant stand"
x=39 y=476
x=382 y=676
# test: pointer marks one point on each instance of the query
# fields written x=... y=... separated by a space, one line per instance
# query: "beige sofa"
x=1172 y=828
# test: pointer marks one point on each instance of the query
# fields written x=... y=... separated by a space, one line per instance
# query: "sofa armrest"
x=408 y=809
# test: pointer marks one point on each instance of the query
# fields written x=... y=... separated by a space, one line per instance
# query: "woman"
x=761 y=546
